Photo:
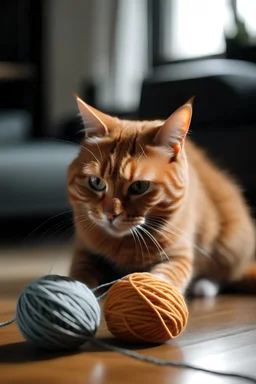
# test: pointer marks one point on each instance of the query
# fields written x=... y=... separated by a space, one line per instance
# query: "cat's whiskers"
x=184 y=236
x=87 y=149
x=52 y=230
x=81 y=146
x=88 y=226
x=157 y=230
x=59 y=237
x=155 y=242
x=163 y=222
x=91 y=226
x=142 y=154
x=57 y=255
x=134 y=238
x=45 y=222
x=149 y=256
x=95 y=141
x=84 y=219
x=141 y=248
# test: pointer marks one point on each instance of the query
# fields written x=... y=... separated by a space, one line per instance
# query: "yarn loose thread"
x=56 y=312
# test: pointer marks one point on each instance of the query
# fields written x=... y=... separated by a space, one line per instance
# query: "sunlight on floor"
x=34 y=261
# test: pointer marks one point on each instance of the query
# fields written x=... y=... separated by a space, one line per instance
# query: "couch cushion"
x=225 y=92
x=15 y=126
x=33 y=178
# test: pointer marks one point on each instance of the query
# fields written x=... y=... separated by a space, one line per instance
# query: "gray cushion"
x=33 y=178
x=15 y=126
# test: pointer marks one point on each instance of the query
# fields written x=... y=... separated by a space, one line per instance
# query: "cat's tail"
x=247 y=284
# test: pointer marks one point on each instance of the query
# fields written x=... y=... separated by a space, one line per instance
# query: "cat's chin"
x=115 y=232
x=119 y=228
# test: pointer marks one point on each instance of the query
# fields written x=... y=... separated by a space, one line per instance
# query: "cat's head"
x=129 y=173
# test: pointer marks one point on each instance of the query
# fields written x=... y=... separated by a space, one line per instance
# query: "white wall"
x=67 y=45
x=104 y=41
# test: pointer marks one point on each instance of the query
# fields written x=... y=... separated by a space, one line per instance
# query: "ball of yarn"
x=56 y=312
x=142 y=307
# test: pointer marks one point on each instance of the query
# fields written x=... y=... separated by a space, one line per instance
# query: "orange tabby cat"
x=145 y=198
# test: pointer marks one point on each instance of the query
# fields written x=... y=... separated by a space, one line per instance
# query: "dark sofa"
x=224 y=118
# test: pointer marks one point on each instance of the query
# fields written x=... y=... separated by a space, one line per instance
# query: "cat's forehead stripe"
x=107 y=166
x=144 y=174
x=133 y=145
x=123 y=168
x=111 y=163
x=122 y=156
x=126 y=169
x=91 y=168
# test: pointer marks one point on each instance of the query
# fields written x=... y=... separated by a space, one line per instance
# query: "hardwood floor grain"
x=221 y=335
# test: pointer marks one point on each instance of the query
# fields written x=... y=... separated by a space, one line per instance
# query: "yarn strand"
x=154 y=360
x=168 y=363
x=8 y=322
x=94 y=290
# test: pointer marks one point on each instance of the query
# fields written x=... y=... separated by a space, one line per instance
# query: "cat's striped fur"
x=192 y=222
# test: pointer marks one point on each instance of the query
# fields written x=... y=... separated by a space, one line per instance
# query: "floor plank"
x=221 y=335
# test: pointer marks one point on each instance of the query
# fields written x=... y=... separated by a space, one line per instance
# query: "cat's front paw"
x=205 y=288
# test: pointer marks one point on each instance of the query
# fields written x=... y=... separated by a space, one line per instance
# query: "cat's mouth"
x=120 y=226
x=116 y=232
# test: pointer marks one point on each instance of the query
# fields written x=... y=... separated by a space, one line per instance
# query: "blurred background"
x=138 y=59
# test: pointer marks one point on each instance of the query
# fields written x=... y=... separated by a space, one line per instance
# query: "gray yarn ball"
x=56 y=312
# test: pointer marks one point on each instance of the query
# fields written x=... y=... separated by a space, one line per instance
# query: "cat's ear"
x=174 y=130
x=96 y=123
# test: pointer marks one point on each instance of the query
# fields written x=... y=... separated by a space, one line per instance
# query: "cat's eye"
x=138 y=187
x=96 y=183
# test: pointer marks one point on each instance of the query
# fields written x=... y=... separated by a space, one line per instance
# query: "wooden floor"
x=221 y=335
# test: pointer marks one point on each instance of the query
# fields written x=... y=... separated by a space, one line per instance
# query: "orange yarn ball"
x=142 y=307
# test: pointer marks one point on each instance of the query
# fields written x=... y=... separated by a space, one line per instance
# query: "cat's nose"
x=110 y=216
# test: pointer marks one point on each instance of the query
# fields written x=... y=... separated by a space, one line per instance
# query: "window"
x=196 y=28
